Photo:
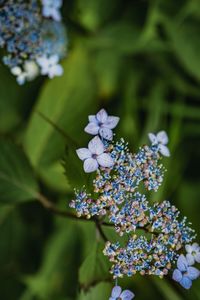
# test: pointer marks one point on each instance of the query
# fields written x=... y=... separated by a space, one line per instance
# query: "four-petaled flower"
x=102 y=124
x=185 y=274
x=193 y=253
x=160 y=139
x=94 y=155
x=51 y=8
x=117 y=294
x=49 y=65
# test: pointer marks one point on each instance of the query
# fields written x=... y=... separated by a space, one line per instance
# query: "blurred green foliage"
x=141 y=61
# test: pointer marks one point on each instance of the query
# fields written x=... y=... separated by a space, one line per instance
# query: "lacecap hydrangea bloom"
x=33 y=38
x=166 y=246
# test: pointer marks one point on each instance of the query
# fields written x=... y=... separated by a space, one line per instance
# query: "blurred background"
x=140 y=60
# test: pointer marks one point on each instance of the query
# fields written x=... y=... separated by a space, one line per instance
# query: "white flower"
x=21 y=76
x=160 y=139
x=29 y=73
x=51 y=8
x=94 y=155
x=102 y=124
x=193 y=253
x=31 y=69
x=49 y=66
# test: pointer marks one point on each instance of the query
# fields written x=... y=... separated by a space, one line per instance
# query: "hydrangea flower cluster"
x=33 y=38
x=118 y=197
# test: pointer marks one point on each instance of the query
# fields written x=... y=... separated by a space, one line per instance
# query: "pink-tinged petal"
x=83 y=153
x=164 y=150
x=127 y=295
x=105 y=160
x=189 y=248
x=116 y=291
x=162 y=137
x=177 y=275
x=111 y=122
x=153 y=138
x=197 y=257
x=96 y=146
x=92 y=128
x=190 y=259
x=182 y=263
x=106 y=133
x=92 y=118
x=193 y=273
x=102 y=116
x=186 y=282
x=90 y=165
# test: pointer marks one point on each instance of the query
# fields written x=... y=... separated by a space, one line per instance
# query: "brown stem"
x=53 y=209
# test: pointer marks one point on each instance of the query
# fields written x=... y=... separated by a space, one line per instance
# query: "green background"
x=140 y=60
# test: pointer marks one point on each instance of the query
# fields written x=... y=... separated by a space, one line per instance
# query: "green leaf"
x=120 y=37
x=66 y=101
x=57 y=275
x=107 y=66
x=167 y=291
x=101 y=291
x=73 y=167
x=95 y=267
x=92 y=14
x=186 y=44
x=17 y=182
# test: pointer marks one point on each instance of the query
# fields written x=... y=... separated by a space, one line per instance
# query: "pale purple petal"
x=111 y=122
x=111 y=298
x=96 y=146
x=53 y=59
x=55 y=70
x=177 y=275
x=190 y=259
x=106 y=133
x=182 y=263
x=127 y=295
x=105 y=160
x=116 y=291
x=195 y=247
x=197 y=257
x=90 y=165
x=93 y=119
x=189 y=248
x=164 y=150
x=193 y=273
x=92 y=128
x=83 y=153
x=186 y=282
x=153 y=138
x=102 y=116
x=162 y=137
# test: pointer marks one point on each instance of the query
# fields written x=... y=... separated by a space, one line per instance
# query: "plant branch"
x=47 y=204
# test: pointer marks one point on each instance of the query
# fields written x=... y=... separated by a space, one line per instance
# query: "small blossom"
x=49 y=66
x=51 y=8
x=193 y=253
x=94 y=156
x=160 y=139
x=21 y=76
x=118 y=294
x=29 y=73
x=102 y=124
x=184 y=274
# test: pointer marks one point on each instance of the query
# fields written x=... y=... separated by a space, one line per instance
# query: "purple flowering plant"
x=33 y=38
x=166 y=247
